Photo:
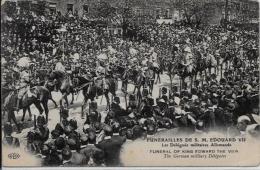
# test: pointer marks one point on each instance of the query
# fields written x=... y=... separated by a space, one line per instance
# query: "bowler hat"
x=117 y=99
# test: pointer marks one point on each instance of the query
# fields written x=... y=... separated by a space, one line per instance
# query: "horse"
x=91 y=89
x=130 y=76
x=252 y=56
x=63 y=83
x=149 y=78
x=211 y=63
x=42 y=98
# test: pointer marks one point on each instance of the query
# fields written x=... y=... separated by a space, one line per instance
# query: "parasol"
x=24 y=62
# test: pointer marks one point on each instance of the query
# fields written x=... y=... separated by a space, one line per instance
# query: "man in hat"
x=164 y=94
x=63 y=126
x=77 y=158
x=66 y=158
x=41 y=131
x=8 y=139
x=91 y=151
x=116 y=108
x=93 y=115
x=111 y=147
x=24 y=87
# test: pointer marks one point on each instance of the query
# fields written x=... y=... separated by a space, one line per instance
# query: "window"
x=167 y=14
x=85 y=9
x=158 y=13
x=69 y=7
x=52 y=7
x=138 y=12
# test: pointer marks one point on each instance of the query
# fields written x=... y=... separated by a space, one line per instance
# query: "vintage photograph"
x=112 y=83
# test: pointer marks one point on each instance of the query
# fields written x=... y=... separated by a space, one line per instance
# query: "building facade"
x=143 y=11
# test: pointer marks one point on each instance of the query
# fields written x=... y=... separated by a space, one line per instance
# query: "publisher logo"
x=13 y=156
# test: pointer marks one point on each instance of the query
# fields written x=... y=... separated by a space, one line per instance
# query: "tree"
x=197 y=12
x=105 y=10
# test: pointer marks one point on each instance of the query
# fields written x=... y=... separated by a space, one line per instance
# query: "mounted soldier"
x=24 y=86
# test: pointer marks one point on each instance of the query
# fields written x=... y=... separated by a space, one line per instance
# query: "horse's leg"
x=85 y=101
x=134 y=90
x=180 y=83
x=191 y=81
x=72 y=96
x=46 y=109
x=11 y=116
x=221 y=70
x=38 y=106
x=108 y=100
x=24 y=111
x=54 y=102
x=66 y=99
x=30 y=114
x=139 y=95
x=151 y=86
x=158 y=77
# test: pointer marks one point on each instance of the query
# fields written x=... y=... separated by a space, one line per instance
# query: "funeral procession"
x=81 y=78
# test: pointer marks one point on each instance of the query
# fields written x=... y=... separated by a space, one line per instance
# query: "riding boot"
x=18 y=105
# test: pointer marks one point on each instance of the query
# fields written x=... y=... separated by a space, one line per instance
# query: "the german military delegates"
x=226 y=101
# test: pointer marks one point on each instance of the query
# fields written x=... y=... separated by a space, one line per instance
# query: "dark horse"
x=131 y=76
x=63 y=83
x=91 y=89
x=42 y=98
